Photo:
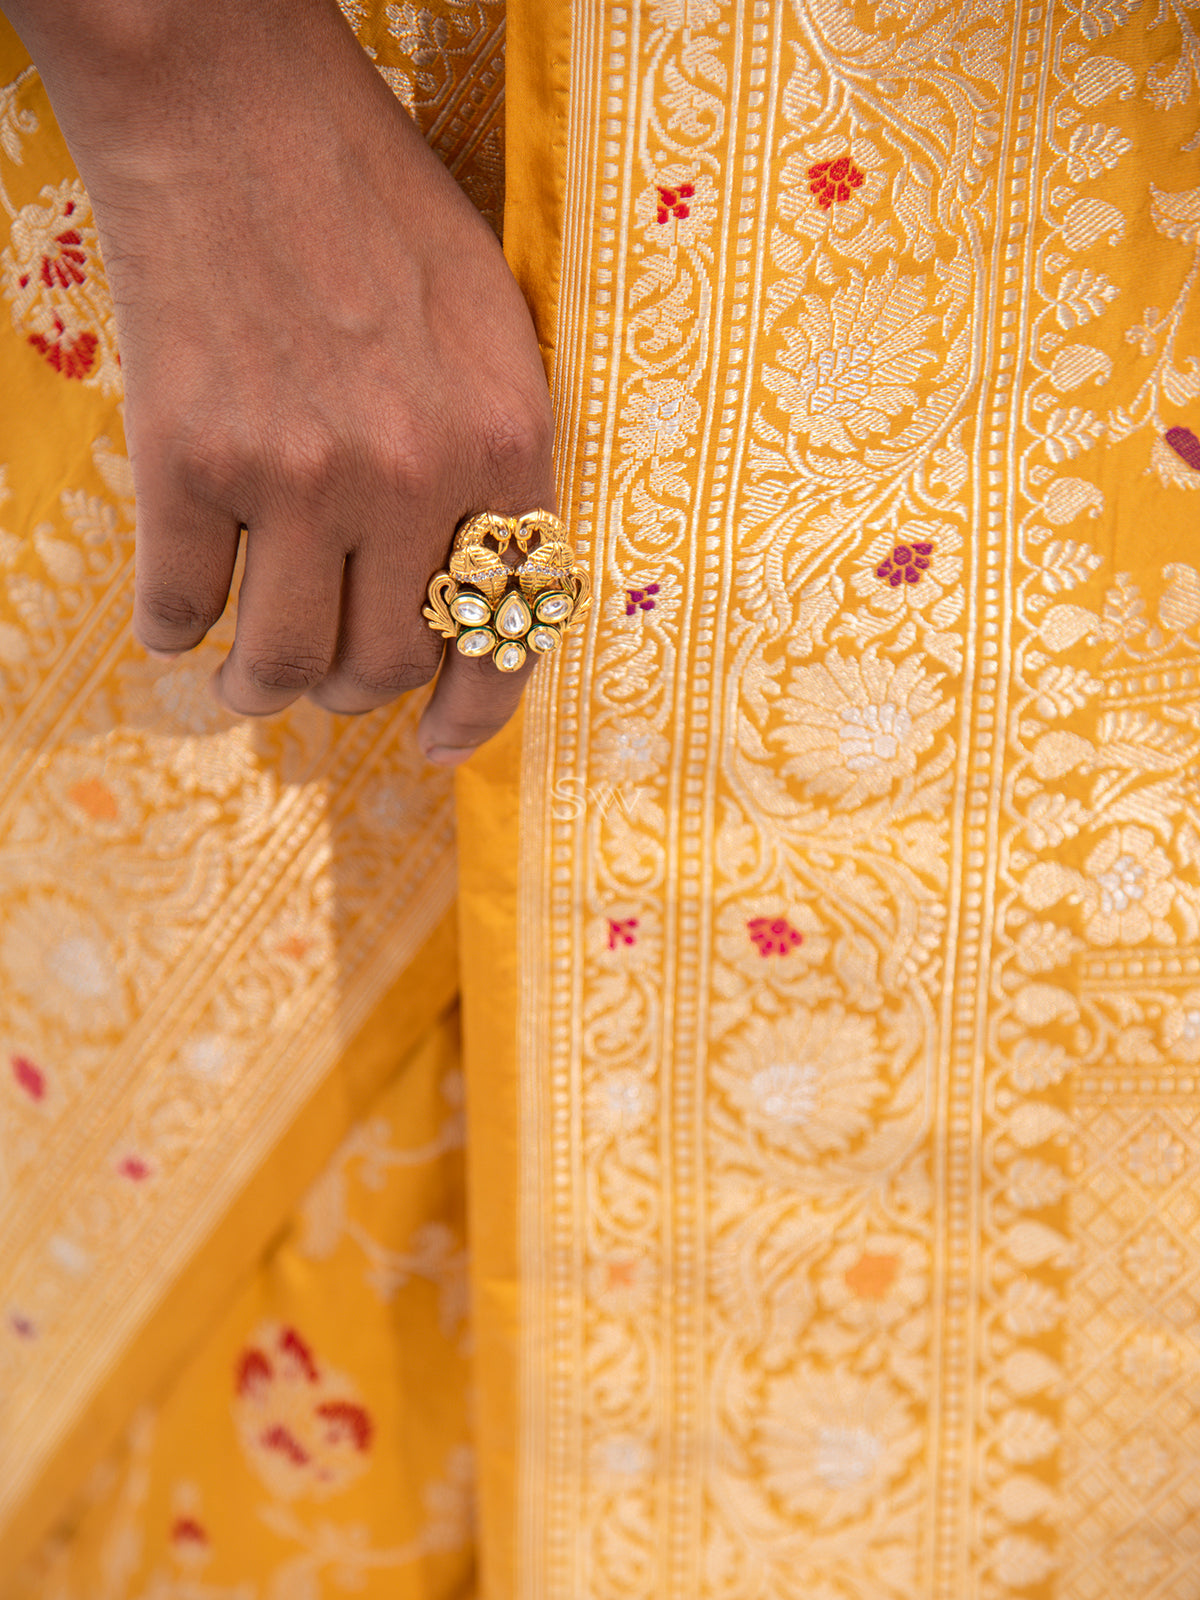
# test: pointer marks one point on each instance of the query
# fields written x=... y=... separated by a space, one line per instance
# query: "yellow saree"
x=828 y=931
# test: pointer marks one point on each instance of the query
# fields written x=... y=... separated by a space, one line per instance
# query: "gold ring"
x=491 y=608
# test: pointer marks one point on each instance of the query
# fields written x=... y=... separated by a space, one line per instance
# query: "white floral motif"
x=630 y=751
x=621 y=1100
x=848 y=364
x=1181 y=1029
x=57 y=954
x=1152 y=1261
x=660 y=418
x=805 y=1080
x=830 y=1442
x=1128 y=889
x=1149 y=1361
x=855 y=728
x=1143 y=1463
x=786 y=1092
x=1156 y=1157
x=871 y=736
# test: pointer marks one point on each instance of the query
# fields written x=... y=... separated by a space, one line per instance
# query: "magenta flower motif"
x=905 y=564
x=21 y=1325
x=1185 y=445
x=774 y=936
x=621 y=931
x=135 y=1168
x=640 y=599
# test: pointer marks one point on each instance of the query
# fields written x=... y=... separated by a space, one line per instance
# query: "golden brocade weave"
x=829 y=927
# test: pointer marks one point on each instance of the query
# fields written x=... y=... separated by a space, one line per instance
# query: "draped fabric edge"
x=497 y=929
x=423 y=993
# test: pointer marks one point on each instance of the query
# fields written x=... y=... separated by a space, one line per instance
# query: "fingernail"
x=450 y=755
x=162 y=655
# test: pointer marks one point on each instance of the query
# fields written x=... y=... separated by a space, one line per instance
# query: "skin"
x=320 y=340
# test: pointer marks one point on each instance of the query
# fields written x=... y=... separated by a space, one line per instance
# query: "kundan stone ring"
x=506 y=609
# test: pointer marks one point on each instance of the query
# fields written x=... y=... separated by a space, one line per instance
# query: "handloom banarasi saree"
x=767 y=1165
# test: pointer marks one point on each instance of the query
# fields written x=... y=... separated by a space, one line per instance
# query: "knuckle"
x=306 y=465
x=382 y=682
x=290 y=674
x=515 y=436
x=170 y=613
x=212 y=465
x=415 y=468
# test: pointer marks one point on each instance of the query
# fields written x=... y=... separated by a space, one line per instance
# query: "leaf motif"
x=1179 y=388
x=1176 y=214
x=1091 y=148
x=1083 y=294
x=1070 y=430
x=1063 y=689
x=1065 y=563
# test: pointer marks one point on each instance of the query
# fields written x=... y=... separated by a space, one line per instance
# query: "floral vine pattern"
x=879 y=396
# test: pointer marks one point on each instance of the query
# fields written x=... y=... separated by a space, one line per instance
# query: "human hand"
x=321 y=343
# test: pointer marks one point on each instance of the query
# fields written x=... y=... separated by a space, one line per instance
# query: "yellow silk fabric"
x=830 y=926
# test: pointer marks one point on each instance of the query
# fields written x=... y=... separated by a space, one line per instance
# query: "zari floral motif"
x=931 y=684
x=52 y=276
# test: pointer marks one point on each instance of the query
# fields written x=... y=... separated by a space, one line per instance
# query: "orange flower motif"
x=833 y=181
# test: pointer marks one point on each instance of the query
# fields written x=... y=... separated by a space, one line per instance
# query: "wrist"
x=136 y=84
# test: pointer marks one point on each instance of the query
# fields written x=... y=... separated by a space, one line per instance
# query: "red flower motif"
x=30 y=1078
x=66 y=266
x=294 y=1346
x=905 y=564
x=72 y=354
x=640 y=599
x=774 y=936
x=134 y=1167
x=21 y=1325
x=346 y=1421
x=671 y=202
x=834 y=181
x=621 y=931
x=186 y=1531
x=284 y=1441
x=254 y=1372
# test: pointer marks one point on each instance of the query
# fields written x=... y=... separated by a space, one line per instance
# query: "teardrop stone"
x=553 y=607
x=512 y=617
x=543 y=639
x=476 y=642
x=510 y=656
x=469 y=608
